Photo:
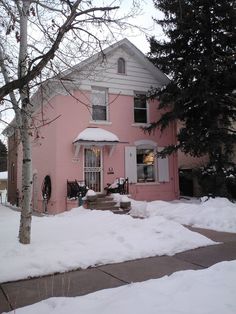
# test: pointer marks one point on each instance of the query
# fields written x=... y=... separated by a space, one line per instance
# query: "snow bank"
x=91 y=193
x=82 y=238
x=209 y=291
x=3 y=175
x=217 y=214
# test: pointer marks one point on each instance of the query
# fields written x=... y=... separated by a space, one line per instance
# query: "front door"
x=92 y=168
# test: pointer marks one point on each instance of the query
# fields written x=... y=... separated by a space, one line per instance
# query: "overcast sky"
x=145 y=20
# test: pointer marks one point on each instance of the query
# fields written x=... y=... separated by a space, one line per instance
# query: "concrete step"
x=104 y=202
x=114 y=210
x=103 y=199
x=101 y=195
x=103 y=205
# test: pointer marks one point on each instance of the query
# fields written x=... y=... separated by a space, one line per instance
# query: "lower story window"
x=145 y=165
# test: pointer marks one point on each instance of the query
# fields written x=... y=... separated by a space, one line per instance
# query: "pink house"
x=97 y=109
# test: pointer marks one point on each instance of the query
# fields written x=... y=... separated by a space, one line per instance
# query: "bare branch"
x=36 y=70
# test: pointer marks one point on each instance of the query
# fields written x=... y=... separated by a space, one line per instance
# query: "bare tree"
x=38 y=38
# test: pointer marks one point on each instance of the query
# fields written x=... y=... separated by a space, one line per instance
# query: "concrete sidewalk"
x=24 y=292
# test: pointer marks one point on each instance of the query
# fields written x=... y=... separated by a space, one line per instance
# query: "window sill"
x=140 y=124
x=148 y=183
x=100 y=122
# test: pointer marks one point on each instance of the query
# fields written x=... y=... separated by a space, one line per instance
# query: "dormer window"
x=121 y=66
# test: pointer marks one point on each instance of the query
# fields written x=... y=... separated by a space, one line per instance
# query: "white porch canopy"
x=93 y=136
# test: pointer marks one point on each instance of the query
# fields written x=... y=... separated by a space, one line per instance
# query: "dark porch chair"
x=76 y=188
x=120 y=185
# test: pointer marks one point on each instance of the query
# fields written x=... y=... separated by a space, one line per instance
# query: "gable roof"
x=100 y=56
x=132 y=49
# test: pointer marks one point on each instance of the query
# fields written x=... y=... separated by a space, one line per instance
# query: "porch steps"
x=104 y=202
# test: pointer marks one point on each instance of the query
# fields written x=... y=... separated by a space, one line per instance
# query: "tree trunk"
x=26 y=212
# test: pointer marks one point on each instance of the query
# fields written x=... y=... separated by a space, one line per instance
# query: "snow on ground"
x=208 y=291
x=216 y=213
x=3 y=175
x=83 y=238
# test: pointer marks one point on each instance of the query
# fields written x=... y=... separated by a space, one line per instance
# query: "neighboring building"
x=96 y=134
x=188 y=180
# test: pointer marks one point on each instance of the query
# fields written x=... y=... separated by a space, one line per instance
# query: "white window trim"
x=148 y=144
x=104 y=122
x=147 y=111
x=138 y=125
x=106 y=100
x=148 y=183
x=123 y=59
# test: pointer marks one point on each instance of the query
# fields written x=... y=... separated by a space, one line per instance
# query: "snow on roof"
x=3 y=175
x=96 y=135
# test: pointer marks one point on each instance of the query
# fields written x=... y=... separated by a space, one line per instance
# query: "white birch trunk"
x=26 y=211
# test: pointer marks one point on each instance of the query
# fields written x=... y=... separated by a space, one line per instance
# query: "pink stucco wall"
x=53 y=152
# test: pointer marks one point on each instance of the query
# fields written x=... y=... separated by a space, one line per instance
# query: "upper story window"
x=121 y=66
x=140 y=108
x=99 y=103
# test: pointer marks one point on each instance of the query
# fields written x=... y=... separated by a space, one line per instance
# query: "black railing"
x=75 y=189
x=120 y=186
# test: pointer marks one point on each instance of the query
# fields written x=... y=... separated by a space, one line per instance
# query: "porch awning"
x=95 y=137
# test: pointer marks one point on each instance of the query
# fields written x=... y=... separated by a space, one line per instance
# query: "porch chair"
x=76 y=188
x=120 y=185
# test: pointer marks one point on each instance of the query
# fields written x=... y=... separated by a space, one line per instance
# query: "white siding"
x=131 y=164
x=137 y=78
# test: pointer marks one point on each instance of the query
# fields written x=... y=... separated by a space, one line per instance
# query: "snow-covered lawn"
x=217 y=214
x=83 y=238
x=210 y=291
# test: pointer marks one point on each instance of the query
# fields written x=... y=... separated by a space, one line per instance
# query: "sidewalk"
x=24 y=292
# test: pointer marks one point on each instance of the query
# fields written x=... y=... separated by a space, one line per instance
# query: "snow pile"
x=82 y=238
x=210 y=290
x=3 y=175
x=91 y=193
x=216 y=213
x=3 y=196
x=124 y=199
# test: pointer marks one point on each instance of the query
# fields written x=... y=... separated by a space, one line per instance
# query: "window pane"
x=140 y=116
x=140 y=108
x=99 y=97
x=121 y=66
x=99 y=113
x=145 y=165
x=99 y=104
x=145 y=173
x=140 y=101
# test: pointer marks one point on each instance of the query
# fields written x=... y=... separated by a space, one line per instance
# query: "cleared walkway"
x=24 y=292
